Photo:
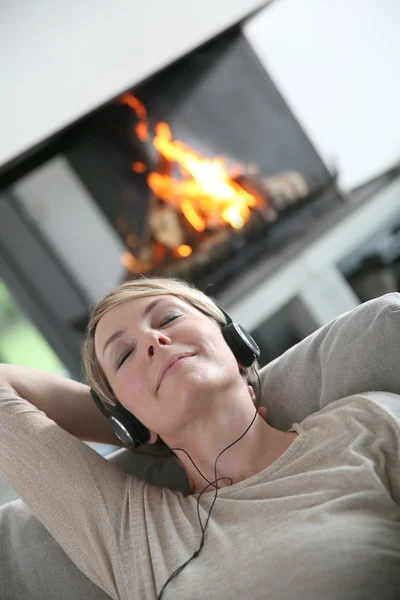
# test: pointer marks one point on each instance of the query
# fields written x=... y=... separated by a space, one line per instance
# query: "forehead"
x=127 y=313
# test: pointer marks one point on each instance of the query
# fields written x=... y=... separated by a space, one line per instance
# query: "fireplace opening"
x=203 y=170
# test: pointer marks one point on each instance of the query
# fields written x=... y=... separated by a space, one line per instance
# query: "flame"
x=142 y=128
x=191 y=215
x=207 y=195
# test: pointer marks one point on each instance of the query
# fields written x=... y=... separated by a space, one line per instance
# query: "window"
x=20 y=342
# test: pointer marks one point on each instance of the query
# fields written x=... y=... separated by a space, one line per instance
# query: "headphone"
x=131 y=431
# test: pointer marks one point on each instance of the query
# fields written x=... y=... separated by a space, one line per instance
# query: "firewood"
x=165 y=226
x=286 y=189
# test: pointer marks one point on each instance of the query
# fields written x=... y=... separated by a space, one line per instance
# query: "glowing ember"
x=139 y=167
x=184 y=250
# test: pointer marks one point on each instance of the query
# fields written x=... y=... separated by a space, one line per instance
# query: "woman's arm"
x=63 y=400
x=78 y=495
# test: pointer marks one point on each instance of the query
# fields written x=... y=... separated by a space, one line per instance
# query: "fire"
x=142 y=128
x=207 y=195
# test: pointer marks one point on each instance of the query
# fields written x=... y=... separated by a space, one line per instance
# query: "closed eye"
x=170 y=317
x=123 y=358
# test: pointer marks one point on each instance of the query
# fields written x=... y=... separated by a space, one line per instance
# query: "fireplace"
x=203 y=169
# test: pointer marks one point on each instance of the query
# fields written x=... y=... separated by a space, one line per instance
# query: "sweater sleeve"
x=388 y=438
x=77 y=494
x=357 y=352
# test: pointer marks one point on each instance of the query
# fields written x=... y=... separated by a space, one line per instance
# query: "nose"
x=157 y=340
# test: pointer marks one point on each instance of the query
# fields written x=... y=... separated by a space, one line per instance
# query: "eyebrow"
x=120 y=332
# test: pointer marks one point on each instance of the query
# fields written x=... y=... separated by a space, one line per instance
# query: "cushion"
x=359 y=351
x=31 y=561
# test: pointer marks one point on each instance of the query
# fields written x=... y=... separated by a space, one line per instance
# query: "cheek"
x=130 y=389
x=214 y=370
x=223 y=355
x=216 y=353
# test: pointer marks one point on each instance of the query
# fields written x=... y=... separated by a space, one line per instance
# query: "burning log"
x=165 y=226
x=278 y=192
x=286 y=189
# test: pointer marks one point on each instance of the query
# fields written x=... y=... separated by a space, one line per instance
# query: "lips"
x=169 y=364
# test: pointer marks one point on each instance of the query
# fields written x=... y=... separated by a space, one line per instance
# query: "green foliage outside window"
x=20 y=342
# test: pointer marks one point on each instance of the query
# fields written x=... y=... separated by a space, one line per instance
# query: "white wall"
x=337 y=66
x=72 y=223
x=60 y=60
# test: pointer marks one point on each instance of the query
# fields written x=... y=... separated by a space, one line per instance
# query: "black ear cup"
x=128 y=428
x=124 y=424
x=131 y=431
x=241 y=343
x=243 y=346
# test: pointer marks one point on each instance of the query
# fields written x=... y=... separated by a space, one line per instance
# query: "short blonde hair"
x=140 y=288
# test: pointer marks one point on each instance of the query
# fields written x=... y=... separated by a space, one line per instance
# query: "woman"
x=312 y=512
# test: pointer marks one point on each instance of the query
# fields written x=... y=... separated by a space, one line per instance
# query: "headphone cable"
x=213 y=483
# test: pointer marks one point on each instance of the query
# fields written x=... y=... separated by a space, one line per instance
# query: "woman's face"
x=165 y=361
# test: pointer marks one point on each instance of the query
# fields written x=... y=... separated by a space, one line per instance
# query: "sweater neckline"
x=266 y=473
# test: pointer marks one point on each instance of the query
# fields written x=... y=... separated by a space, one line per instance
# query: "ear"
x=153 y=437
x=251 y=392
x=262 y=411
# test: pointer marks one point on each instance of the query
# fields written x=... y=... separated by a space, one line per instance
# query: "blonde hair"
x=140 y=288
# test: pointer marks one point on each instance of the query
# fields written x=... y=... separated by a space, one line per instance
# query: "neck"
x=261 y=446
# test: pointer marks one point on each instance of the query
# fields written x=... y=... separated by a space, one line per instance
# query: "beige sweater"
x=322 y=522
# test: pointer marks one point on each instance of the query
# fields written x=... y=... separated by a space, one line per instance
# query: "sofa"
x=357 y=352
